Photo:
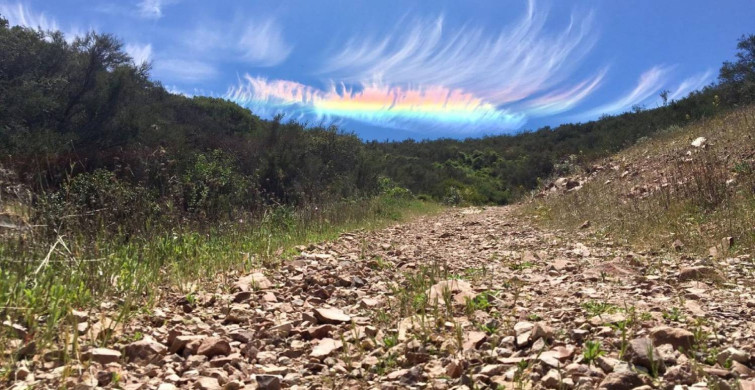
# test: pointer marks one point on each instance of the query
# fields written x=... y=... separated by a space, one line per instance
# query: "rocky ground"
x=472 y=298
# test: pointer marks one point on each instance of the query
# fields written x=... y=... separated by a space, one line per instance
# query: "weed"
x=521 y=266
x=390 y=341
x=480 y=302
x=595 y=308
x=534 y=317
x=674 y=315
x=592 y=351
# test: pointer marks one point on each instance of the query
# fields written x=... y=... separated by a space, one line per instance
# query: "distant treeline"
x=86 y=130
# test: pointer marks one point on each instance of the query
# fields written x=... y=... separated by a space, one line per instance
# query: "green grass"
x=42 y=281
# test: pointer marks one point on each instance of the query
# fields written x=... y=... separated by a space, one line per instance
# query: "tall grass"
x=41 y=282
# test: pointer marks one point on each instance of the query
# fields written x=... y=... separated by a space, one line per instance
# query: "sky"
x=397 y=69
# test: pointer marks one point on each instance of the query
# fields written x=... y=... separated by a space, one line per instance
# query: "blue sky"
x=395 y=69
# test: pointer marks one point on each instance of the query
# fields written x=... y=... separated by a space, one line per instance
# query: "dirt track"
x=472 y=297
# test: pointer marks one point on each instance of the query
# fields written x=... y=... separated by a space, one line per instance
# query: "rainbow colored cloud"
x=375 y=103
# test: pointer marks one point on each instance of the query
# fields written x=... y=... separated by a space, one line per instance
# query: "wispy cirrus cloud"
x=691 y=84
x=649 y=83
x=20 y=14
x=511 y=65
x=259 y=42
x=139 y=54
x=184 y=70
x=263 y=44
x=565 y=99
x=153 y=9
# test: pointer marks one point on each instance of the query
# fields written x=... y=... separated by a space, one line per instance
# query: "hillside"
x=690 y=187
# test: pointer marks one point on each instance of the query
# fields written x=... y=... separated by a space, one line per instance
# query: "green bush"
x=212 y=186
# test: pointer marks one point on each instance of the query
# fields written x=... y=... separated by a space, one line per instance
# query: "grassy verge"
x=673 y=191
x=40 y=283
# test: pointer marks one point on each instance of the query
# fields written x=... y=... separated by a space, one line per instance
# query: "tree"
x=664 y=96
x=738 y=77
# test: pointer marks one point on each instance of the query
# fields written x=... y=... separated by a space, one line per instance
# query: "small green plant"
x=534 y=317
x=390 y=341
x=654 y=363
x=379 y=263
x=592 y=351
x=623 y=328
x=489 y=328
x=595 y=308
x=519 y=374
x=521 y=266
x=480 y=302
x=191 y=298
x=674 y=314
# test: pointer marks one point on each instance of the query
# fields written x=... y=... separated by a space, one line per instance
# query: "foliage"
x=738 y=78
x=592 y=351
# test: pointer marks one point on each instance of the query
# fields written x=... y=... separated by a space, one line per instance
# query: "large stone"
x=458 y=290
x=552 y=379
x=331 y=316
x=682 y=374
x=677 y=337
x=146 y=350
x=734 y=355
x=642 y=353
x=621 y=380
x=255 y=281
x=180 y=342
x=699 y=142
x=214 y=346
x=541 y=330
x=207 y=383
x=698 y=273
x=103 y=355
x=325 y=347
x=318 y=332
x=747 y=385
x=282 y=330
x=473 y=340
x=268 y=382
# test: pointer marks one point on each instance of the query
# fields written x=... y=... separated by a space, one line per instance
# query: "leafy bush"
x=212 y=186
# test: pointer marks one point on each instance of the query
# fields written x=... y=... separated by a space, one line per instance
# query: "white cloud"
x=153 y=9
x=184 y=70
x=263 y=44
x=519 y=62
x=649 y=84
x=259 y=43
x=19 y=14
x=690 y=84
x=139 y=53
x=563 y=100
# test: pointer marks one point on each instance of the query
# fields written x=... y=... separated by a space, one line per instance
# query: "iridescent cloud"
x=377 y=104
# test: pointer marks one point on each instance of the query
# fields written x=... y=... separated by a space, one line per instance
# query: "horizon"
x=420 y=71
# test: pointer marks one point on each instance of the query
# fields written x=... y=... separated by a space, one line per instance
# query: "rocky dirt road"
x=471 y=298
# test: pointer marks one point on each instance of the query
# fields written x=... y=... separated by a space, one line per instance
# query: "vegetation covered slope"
x=691 y=187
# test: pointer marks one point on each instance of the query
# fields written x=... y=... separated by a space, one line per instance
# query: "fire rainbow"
x=375 y=103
